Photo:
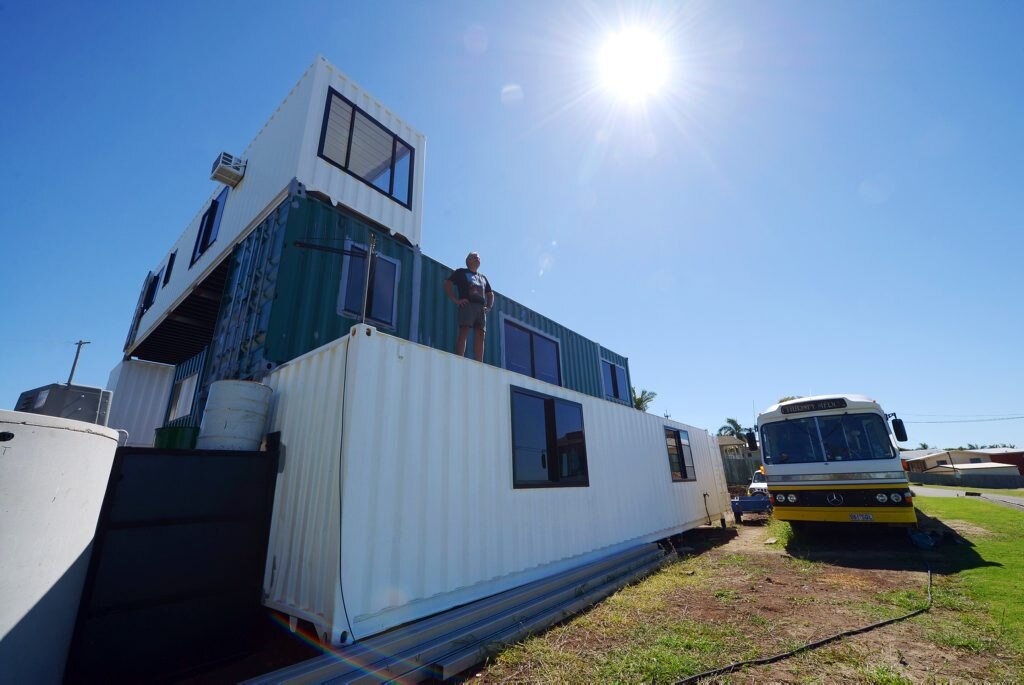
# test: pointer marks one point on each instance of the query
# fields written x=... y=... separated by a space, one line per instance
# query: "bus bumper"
x=902 y=514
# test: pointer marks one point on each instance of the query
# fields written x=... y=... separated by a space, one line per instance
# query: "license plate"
x=862 y=517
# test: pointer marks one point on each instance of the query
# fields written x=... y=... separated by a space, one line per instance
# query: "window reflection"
x=353 y=141
x=548 y=441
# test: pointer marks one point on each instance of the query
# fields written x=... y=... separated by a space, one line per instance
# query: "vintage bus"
x=833 y=458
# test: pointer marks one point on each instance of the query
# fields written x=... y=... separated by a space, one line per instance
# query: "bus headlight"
x=791 y=498
x=882 y=499
x=780 y=498
x=896 y=497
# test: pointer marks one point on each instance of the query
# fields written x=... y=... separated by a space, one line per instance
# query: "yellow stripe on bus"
x=842 y=514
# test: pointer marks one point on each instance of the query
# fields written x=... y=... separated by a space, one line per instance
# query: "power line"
x=988 y=415
x=1004 y=418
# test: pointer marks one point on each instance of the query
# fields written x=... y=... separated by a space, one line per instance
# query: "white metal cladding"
x=343 y=188
x=305 y=535
x=273 y=161
x=429 y=517
x=139 y=403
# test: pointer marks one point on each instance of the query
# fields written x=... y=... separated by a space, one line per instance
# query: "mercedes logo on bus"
x=834 y=499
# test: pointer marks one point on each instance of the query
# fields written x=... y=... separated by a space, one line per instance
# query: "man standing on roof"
x=471 y=291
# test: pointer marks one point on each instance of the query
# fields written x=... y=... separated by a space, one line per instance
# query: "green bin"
x=176 y=437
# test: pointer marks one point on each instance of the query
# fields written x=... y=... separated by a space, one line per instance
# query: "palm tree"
x=644 y=399
x=787 y=398
x=732 y=427
x=923 y=446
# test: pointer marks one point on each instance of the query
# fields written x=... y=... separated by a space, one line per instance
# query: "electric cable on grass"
x=811 y=645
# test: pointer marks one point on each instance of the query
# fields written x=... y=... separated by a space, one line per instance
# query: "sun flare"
x=633 y=64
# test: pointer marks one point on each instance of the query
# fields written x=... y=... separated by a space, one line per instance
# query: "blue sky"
x=825 y=197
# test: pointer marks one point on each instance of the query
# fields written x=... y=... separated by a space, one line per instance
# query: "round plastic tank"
x=235 y=416
x=53 y=476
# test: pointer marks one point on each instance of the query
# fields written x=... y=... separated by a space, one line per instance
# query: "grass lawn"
x=1019 y=492
x=752 y=597
x=995 y=585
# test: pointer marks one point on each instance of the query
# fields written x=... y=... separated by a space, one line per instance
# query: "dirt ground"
x=803 y=603
x=773 y=596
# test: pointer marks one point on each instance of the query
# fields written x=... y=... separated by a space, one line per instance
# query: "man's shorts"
x=472 y=314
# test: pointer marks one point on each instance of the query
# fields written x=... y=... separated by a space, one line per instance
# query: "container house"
x=413 y=480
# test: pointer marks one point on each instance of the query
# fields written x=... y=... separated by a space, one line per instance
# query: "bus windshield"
x=846 y=437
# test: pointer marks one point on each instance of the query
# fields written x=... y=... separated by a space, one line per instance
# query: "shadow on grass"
x=885 y=548
x=699 y=540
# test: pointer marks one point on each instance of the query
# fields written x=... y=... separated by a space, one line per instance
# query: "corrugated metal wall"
x=281 y=300
x=195 y=365
x=238 y=349
x=438 y=327
x=429 y=518
x=139 y=404
x=305 y=311
x=344 y=188
x=305 y=532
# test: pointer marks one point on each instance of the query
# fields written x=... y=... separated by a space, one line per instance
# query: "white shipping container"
x=397 y=487
x=139 y=403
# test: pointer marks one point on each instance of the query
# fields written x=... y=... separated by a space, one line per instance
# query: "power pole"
x=75 y=363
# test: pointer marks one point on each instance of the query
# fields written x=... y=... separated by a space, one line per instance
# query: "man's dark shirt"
x=471 y=286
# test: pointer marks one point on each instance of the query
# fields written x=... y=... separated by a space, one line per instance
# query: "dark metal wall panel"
x=305 y=311
x=175 y=578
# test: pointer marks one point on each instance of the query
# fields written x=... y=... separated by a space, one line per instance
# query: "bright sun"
x=633 y=64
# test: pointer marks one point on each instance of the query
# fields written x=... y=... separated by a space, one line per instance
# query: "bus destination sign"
x=816 y=405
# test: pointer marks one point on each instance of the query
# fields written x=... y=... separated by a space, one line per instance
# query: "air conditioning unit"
x=79 y=402
x=228 y=169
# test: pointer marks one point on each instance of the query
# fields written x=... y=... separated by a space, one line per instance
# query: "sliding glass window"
x=358 y=144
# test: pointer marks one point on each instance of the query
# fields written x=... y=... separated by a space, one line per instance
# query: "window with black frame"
x=358 y=144
x=531 y=353
x=548 y=441
x=382 y=295
x=614 y=378
x=680 y=457
x=209 y=226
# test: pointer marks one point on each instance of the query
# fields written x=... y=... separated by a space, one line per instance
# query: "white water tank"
x=235 y=416
x=53 y=476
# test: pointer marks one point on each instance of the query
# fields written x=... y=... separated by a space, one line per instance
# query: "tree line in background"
x=970 y=446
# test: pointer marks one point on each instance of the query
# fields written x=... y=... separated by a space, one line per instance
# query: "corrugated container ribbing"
x=341 y=187
x=305 y=531
x=139 y=402
x=194 y=366
x=238 y=350
x=305 y=310
x=429 y=516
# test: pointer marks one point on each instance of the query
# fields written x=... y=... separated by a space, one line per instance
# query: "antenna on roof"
x=75 y=363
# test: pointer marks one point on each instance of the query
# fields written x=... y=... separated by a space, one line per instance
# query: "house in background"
x=985 y=468
x=1006 y=455
x=925 y=460
x=738 y=461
